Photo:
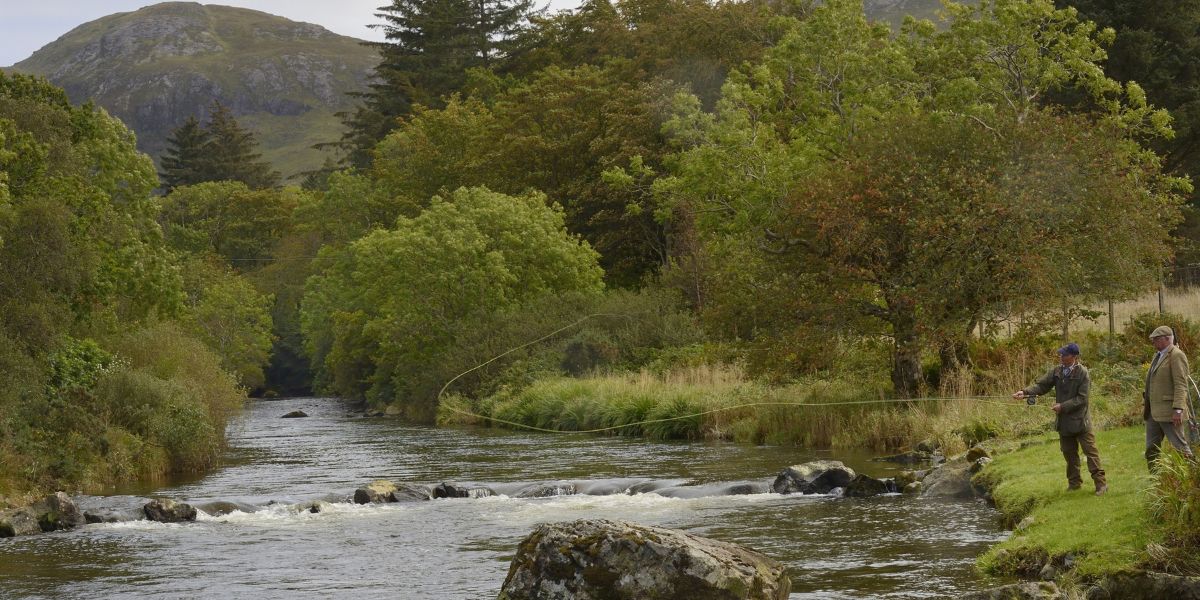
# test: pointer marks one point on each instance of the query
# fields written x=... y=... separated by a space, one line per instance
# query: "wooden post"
x=1111 y=321
x=1160 y=299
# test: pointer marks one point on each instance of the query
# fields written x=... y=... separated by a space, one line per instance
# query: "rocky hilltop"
x=156 y=66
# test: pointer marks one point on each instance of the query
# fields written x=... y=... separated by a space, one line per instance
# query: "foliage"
x=228 y=219
x=384 y=309
x=431 y=44
x=1158 y=49
x=82 y=259
x=225 y=312
x=771 y=174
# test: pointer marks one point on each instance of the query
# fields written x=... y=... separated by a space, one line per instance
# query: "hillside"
x=156 y=66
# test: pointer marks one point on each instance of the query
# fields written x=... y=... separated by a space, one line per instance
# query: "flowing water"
x=273 y=547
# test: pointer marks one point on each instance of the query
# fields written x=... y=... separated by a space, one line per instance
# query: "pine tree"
x=183 y=161
x=431 y=45
x=231 y=152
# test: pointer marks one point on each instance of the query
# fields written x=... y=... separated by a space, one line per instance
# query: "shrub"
x=1175 y=508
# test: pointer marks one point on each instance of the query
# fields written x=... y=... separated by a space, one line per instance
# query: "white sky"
x=26 y=25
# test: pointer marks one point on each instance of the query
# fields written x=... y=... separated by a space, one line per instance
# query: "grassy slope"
x=1106 y=534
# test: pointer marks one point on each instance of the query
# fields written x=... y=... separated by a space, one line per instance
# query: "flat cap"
x=1160 y=331
x=1072 y=349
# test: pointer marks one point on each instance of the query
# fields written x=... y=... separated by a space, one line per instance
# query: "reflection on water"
x=455 y=548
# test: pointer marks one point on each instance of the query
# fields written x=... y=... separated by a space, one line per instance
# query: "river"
x=882 y=547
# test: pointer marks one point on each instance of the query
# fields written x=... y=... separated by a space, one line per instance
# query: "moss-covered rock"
x=595 y=559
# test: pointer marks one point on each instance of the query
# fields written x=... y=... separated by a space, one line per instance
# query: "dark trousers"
x=1070 y=445
x=1157 y=431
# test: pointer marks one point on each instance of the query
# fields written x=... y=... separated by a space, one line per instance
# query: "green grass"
x=1106 y=535
x=840 y=413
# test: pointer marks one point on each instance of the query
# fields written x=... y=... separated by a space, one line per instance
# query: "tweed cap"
x=1072 y=349
x=1160 y=331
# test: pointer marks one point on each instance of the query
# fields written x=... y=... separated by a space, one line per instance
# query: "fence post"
x=1111 y=327
x=1160 y=299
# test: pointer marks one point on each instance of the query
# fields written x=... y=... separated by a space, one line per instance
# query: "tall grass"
x=1175 y=511
x=720 y=402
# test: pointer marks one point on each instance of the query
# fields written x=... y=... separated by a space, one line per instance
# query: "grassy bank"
x=708 y=402
x=1104 y=535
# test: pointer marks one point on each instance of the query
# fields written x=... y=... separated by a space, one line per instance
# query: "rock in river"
x=454 y=490
x=165 y=510
x=817 y=477
x=295 y=414
x=383 y=490
x=863 y=486
x=52 y=513
x=593 y=559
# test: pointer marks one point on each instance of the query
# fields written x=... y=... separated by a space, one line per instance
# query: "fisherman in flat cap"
x=1073 y=422
x=1165 y=401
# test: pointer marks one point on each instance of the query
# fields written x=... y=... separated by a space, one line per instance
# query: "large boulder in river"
x=817 y=477
x=165 y=510
x=863 y=486
x=52 y=513
x=382 y=490
x=596 y=559
x=951 y=480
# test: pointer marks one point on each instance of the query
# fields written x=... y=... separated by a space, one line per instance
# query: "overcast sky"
x=26 y=25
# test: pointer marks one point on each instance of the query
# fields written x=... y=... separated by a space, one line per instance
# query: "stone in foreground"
x=595 y=559
x=53 y=513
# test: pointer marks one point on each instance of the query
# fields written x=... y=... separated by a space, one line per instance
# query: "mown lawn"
x=1104 y=535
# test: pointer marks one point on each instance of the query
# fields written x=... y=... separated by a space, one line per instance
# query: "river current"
x=272 y=547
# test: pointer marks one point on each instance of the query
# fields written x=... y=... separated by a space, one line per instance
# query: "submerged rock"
x=908 y=458
x=817 y=477
x=295 y=414
x=165 y=510
x=596 y=559
x=547 y=490
x=454 y=490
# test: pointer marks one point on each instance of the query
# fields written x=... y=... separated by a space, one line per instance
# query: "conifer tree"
x=183 y=161
x=219 y=150
x=231 y=152
x=430 y=46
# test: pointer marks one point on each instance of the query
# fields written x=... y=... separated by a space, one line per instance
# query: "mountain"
x=894 y=11
x=156 y=66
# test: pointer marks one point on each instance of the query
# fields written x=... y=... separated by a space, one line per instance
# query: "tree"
x=232 y=153
x=228 y=219
x=934 y=225
x=836 y=78
x=431 y=46
x=1158 y=46
x=219 y=150
x=378 y=318
x=231 y=317
x=184 y=161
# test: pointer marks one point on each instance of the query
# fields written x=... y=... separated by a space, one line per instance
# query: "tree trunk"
x=906 y=354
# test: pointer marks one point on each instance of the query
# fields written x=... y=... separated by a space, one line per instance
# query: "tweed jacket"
x=1071 y=391
x=1167 y=386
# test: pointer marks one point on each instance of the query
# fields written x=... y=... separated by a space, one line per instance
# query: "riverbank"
x=1103 y=535
x=1075 y=537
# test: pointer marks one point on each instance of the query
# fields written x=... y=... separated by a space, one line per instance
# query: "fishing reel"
x=1031 y=399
